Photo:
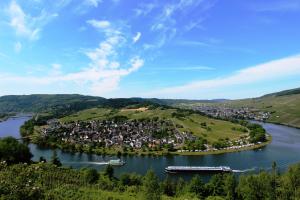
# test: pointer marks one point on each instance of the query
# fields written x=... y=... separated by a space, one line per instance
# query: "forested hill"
x=44 y=103
x=73 y=102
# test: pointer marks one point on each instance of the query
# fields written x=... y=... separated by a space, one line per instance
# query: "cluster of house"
x=236 y=113
x=131 y=133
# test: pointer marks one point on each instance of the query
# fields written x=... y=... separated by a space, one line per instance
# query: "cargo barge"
x=178 y=169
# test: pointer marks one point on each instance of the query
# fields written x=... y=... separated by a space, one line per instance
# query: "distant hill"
x=284 y=93
x=44 y=103
x=76 y=102
x=284 y=106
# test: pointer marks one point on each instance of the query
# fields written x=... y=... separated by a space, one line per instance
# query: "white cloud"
x=26 y=25
x=101 y=24
x=269 y=71
x=136 y=37
x=18 y=47
x=172 y=19
x=85 y=5
x=192 y=68
x=144 y=9
x=94 y=3
x=101 y=76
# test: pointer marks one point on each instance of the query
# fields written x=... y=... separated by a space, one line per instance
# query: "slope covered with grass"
x=199 y=125
x=284 y=109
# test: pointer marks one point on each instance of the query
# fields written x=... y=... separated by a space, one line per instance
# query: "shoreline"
x=115 y=152
x=223 y=151
x=282 y=124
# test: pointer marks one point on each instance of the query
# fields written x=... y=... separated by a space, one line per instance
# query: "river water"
x=284 y=149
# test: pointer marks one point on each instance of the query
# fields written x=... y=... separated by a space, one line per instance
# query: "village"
x=107 y=133
x=134 y=134
x=233 y=113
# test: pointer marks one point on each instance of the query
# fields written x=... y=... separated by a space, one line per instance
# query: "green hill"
x=284 y=109
x=63 y=103
x=45 y=102
x=187 y=121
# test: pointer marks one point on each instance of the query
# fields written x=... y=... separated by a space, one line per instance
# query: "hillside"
x=284 y=108
x=44 y=103
x=213 y=130
x=63 y=103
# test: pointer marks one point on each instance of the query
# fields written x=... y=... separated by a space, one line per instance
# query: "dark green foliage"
x=198 y=144
x=215 y=186
x=197 y=186
x=169 y=187
x=55 y=160
x=130 y=179
x=160 y=134
x=90 y=175
x=46 y=103
x=151 y=186
x=255 y=187
x=220 y=144
x=42 y=159
x=109 y=171
x=257 y=133
x=12 y=151
x=46 y=181
x=229 y=187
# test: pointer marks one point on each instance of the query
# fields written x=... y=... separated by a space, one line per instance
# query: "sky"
x=182 y=49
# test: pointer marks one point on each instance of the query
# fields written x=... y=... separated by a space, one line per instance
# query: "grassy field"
x=191 y=122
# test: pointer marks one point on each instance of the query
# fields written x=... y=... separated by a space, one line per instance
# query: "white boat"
x=117 y=162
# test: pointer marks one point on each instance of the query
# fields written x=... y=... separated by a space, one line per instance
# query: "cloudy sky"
x=195 y=49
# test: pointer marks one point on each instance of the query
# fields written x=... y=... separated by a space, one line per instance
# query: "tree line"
x=20 y=178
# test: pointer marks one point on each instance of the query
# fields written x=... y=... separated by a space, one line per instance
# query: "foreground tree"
x=197 y=186
x=12 y=151
x=109 y=171
x=151 y=186
x=55 y=160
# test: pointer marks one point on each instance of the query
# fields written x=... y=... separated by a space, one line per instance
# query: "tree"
x=215 y=186
x=55 y=160
x=197 y=186
x=180 y=187
x=42 y=159
x=255 y=187
x=91 y=175
x=229 y=187
x=274 y=181
x=169 y=187
x=151 y=186
x=109 y=171
x=12 y=151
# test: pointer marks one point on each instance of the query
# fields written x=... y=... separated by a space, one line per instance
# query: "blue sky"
x=193 y=49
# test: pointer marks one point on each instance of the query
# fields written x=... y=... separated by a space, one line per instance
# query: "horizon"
x=193 y=50
x=150 y=97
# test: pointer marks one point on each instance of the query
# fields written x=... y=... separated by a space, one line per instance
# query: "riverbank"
x=222 y=151
x=120 y=152
x=282 y=124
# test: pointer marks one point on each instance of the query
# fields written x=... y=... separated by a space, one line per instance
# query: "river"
x=284 y=149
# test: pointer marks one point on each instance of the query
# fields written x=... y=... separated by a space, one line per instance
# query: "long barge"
x=176 y=169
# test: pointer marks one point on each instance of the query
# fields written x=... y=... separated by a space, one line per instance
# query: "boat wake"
x=88 y=163
x=244 y=171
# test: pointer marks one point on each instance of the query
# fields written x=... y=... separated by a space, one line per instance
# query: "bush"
x=12 y=151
